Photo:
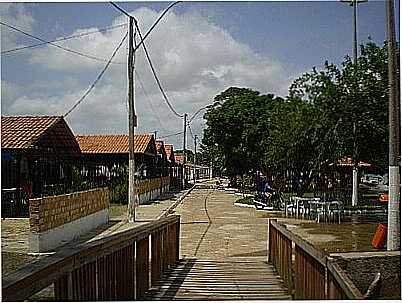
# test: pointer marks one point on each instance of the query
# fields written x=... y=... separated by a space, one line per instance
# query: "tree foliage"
x=309 y=129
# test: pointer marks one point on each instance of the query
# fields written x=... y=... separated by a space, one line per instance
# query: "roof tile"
x=112 y=144
x=20 y=132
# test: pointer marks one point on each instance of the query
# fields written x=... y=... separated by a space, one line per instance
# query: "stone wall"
x=56 y=220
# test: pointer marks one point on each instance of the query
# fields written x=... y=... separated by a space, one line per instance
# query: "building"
x=38 y=154
x=102 y=154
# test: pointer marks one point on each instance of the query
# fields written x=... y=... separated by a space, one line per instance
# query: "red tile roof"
x=20 y=132
x=112 y=144
x=347 y=161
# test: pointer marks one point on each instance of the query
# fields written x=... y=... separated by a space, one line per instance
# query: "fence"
x=120 y=267
x=308 y=272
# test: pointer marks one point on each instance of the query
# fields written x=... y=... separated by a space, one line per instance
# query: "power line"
x=153 y=25
x=64 y=38
x=171 y=135
x=156 y=22
x=148 y=57
x=148 y=99
x=191 y=132
x=155 y=76
x=98 y=78
x=58 y=46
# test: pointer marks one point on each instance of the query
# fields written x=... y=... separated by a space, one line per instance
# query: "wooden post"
x=132 y=123
x=142 y=270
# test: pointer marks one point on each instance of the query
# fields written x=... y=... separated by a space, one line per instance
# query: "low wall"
x=56 y=220
x=152 y=188
x=362 y=268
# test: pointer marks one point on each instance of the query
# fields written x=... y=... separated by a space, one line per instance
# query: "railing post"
x=142 y=270
x=177 y=257
x=155 y=257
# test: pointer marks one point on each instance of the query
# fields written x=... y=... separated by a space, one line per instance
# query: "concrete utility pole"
x=132 y=123
x=184 y=149
x=155 y=133
x=195 y=158
x=394 y=200
x=355 y=172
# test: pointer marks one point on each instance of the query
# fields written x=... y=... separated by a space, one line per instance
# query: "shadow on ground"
x=175 y=283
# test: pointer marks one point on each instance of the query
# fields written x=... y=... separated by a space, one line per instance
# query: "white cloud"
x=14 y=14
x=195 y=60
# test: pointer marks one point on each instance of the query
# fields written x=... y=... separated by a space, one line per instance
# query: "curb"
x=243 y=205
x=174 y=205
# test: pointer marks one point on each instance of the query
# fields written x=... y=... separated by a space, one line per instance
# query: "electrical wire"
x=171 y=135
x=148 y=99
x=156 y=22
x=58 y=46
x=97 y=79
x=153 y=25
x=147 y=54
x=191 y=132
x=64 y=38
x=155 y=75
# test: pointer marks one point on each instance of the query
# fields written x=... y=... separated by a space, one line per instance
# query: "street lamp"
x=202 y=108
x=355 y=181
x=354 y=4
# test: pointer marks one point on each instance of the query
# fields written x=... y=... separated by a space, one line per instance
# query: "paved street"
x=213 y=228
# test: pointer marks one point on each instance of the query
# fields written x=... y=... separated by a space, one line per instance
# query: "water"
x=355 y=233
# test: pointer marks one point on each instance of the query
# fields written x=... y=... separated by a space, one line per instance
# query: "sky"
x=199 y=49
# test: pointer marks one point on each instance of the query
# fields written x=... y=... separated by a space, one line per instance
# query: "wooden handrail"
x=339 y=275
x=34 y=277
x=318 y=255
x=333 y=270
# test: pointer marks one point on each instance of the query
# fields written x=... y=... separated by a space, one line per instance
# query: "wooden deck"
x=194 y=279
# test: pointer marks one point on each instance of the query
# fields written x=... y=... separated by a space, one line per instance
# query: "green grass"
x=117 y=210
x=246 y=200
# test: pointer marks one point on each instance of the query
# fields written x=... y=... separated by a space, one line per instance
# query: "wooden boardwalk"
x=223 y=253
x=195 y=279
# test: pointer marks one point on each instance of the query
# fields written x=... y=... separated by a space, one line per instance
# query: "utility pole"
x=132 y=123
x=195 y=158
x=394 y=200
x=355 y=172
x=155 y=133
x=184 y=150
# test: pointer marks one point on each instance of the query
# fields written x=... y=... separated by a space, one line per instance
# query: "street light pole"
x=195 y=158
x=355 y=172
x=184 y=149
x=394 y=185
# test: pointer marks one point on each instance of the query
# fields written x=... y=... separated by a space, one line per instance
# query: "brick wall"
x=145 y=186
x=50 y=212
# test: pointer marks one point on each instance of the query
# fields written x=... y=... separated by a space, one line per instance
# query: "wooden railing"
x=307 y=271
x=120 y=267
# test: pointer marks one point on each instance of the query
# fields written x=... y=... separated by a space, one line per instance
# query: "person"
x=268 y=191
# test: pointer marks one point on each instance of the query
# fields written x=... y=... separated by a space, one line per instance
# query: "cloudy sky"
x=199 y=49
